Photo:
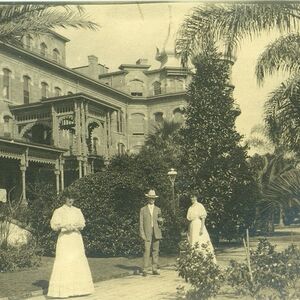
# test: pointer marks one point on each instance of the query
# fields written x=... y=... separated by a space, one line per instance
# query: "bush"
x=274 y=273
x=42 y=200
x=198 y=269
x=16 y=258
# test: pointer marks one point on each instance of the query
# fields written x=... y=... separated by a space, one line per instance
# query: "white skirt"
x=195 y=237
x=71 y=275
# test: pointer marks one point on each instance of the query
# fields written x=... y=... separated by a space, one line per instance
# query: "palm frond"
x=18 y=20
x=283 y=54
x=230 y=23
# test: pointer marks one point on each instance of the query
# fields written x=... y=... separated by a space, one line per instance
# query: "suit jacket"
x=145 y=223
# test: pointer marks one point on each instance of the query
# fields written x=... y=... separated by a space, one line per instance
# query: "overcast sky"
x=132 y=31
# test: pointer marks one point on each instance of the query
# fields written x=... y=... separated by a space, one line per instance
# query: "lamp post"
x=172 y=176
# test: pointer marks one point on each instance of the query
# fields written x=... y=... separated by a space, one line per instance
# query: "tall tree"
x=229 y=24
x=18 y=20
x=214 y=162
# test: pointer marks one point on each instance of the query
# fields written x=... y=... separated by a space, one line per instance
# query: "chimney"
x=93 y=60
x=93 y=67
x=142 y=61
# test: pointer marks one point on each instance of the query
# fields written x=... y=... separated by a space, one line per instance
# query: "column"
x=55 y=127
x=83 y=128
x=57 y=173
x=108 y=120
x=78 y=128
x=23 y=172
x=62 y=174
x=80 y=168
x=84 y=167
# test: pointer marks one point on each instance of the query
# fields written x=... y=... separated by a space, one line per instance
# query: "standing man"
x=150 y=219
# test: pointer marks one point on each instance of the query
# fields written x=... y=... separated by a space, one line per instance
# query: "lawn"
x=24 y=282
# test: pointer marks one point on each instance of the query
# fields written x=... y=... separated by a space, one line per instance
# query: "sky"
x=132 y=31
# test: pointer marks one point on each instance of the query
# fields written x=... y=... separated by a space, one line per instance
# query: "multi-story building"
x=67 y=121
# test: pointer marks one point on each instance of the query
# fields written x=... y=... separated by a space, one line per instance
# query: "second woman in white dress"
x=71 y=275
x=198 y=234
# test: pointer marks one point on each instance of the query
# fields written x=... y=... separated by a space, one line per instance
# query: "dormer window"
x=43 y=49
x=56 y=55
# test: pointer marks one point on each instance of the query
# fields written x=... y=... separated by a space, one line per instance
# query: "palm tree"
x=162 y=137
x=228 y=25
x=16 y=21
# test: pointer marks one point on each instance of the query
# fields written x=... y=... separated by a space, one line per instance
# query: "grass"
x=22 y=283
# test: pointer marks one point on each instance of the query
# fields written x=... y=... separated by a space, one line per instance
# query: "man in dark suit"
x=150 y=219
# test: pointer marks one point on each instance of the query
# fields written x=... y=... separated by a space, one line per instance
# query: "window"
x=43 y=49
x=70 y=93
x=157 y=88
x=56 y=55
x=57 y=91
x=28 y=42
x=44 y=90
x=138 y=124
x=120 y=121
x=121 y=149
x=158 y=117
x=136 y=87
x=6 y=83
x=26 y=87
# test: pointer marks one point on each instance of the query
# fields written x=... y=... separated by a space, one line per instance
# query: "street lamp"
x=172 y=176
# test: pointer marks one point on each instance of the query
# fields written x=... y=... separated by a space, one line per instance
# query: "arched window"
x=136 y=87
x=138 y=124
x=70 y=93
x=157 y=88
x=121 y=149
x=178 y=115
x=43 y=49
x=56 y=55
x=57 y=91
x=26 y=89
x=28 y=42
x=158 y=117
x=44 y=90
x=6 y=83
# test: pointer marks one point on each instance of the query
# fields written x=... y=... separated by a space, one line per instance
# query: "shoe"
x=155 y=273
x=145 y=274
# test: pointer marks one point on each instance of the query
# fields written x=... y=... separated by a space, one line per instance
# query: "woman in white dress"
x=71 y=275
x=197 y=230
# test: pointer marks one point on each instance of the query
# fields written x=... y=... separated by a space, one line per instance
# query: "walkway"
x=135 y=287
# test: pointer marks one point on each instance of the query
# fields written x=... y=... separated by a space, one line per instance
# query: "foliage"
x=276 y=272
x=42 y=200
x=20 y=20
x=213 y=162
x=16 y=258
x=198 y=269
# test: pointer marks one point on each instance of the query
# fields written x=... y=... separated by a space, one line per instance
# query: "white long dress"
x=71 y=275
x=195 y=213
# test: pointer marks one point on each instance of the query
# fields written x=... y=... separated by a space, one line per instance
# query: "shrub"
x=273 y=272
x=198 y=269
x=42 y=200
x=16 y=258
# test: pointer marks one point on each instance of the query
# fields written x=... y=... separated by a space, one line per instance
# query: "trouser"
x=154 y=244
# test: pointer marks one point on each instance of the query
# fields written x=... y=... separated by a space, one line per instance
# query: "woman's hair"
x=66 y=195
x=195 y=194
